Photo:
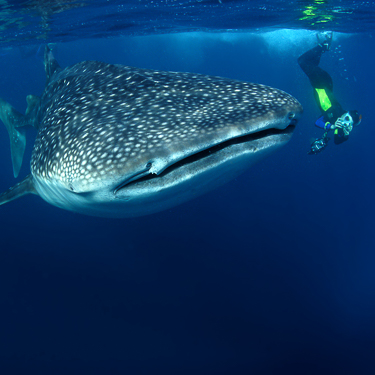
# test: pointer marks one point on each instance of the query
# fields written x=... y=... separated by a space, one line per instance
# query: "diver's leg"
x=309 y=63
x=310 y=60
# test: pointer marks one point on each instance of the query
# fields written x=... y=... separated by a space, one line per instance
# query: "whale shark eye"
x=291 y=115
x=149 y=165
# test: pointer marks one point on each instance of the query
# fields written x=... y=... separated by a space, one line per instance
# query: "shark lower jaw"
x=255 y=142
x=180 y=182
x=189 y=178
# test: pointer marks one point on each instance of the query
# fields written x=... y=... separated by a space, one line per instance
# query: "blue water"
x=271 y=274
x=27 y=21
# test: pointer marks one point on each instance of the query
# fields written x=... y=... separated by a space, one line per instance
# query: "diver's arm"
x=320 y=123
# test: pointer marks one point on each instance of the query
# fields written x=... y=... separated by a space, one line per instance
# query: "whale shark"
x=120 y=141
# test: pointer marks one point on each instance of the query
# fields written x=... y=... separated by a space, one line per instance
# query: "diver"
x=333 y=117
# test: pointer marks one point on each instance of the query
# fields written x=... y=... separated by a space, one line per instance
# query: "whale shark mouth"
x=288 y=131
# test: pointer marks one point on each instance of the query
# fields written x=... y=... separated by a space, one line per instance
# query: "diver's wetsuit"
x=322 y=83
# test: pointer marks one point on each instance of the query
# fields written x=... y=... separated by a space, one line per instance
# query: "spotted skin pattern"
x=100 y=120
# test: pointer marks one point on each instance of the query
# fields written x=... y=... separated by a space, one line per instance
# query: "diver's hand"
x=338 y=124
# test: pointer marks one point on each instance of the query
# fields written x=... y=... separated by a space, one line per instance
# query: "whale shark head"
x=119 y=141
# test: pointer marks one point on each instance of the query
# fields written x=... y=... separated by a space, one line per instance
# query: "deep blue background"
x=270 y=274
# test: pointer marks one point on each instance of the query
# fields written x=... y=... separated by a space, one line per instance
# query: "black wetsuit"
x=322 y=82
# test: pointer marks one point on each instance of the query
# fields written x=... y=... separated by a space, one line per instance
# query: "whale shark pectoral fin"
x=26 y=186
x=12 y=120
